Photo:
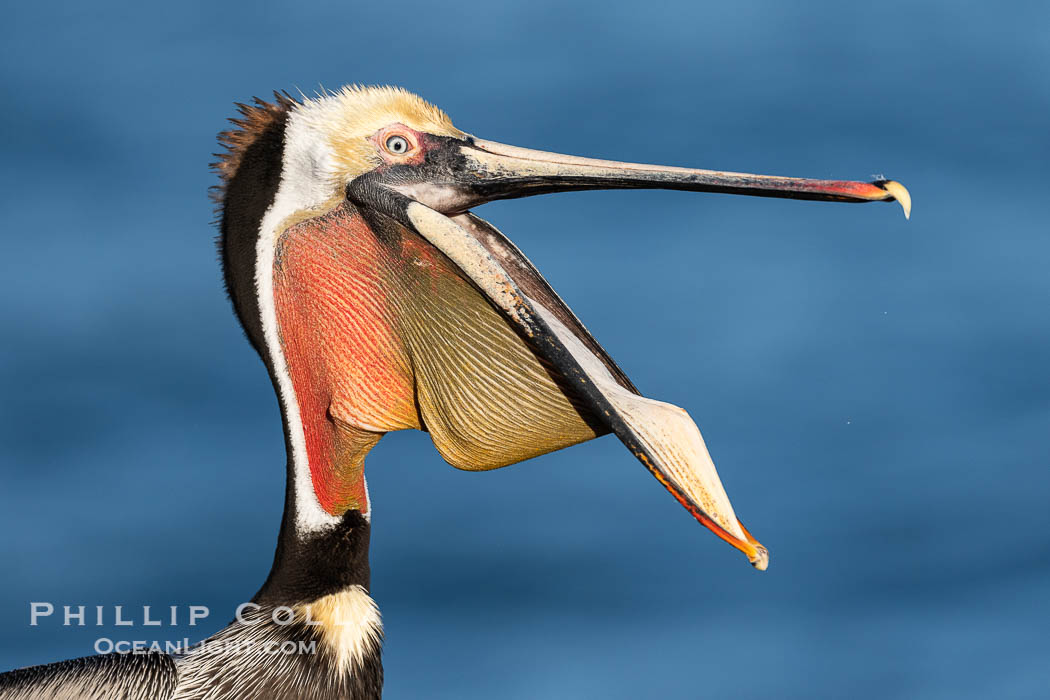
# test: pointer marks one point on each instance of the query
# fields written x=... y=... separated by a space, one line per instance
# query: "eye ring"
x=397 y=145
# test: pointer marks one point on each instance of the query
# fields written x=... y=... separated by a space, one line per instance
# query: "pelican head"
x=379 y=301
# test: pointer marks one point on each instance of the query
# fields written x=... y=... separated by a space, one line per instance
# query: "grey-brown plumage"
x=149 y=676
x=312 y=631
x=256 y=659
x=240 y=662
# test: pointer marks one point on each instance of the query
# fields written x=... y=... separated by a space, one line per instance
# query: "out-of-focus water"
x=874 y=391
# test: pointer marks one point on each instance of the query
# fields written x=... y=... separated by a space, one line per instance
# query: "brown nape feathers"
x=254 y=120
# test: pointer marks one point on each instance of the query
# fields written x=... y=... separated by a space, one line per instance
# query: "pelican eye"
x=398 y=145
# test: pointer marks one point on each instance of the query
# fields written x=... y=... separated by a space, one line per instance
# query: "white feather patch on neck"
x=349 y=625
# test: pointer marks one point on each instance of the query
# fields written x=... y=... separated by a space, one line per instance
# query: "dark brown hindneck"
x=250 y=175
x=309 y=566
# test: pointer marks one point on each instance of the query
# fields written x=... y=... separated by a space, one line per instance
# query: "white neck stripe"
x=304 y=185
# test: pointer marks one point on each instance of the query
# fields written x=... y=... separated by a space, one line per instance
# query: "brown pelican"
x=378 y=301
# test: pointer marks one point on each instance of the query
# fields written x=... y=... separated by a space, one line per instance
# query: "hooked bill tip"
x=760 y=559
x=900 y=193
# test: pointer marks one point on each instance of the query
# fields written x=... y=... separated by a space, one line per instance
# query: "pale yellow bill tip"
x=760 y=560
x=900 y=193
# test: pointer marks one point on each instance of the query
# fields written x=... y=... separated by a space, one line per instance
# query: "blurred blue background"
x=874 y=391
